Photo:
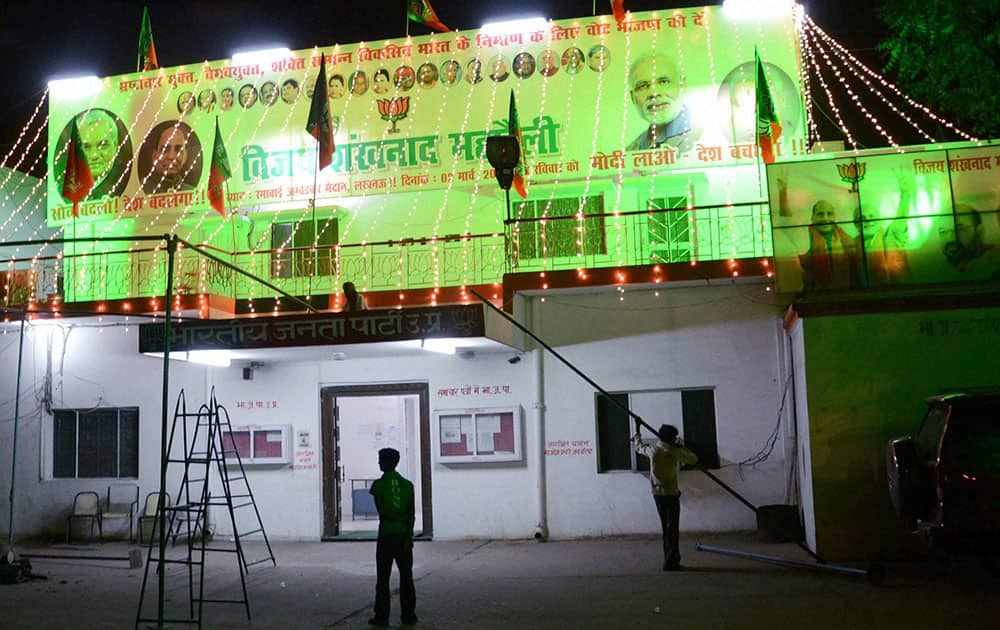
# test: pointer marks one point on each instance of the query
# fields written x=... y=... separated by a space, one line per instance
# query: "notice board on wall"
x=478 y=435
x=258 y=445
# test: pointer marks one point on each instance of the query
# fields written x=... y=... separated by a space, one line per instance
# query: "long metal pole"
x=94 y=239
x=233 y=267
x=593 y=384
x=17 y=416
x=164 y=404
x=875 y=573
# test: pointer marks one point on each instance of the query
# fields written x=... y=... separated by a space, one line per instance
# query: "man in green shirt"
x=394 y=501
x=666 y=457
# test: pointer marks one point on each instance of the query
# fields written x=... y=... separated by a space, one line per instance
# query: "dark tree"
x=946 y=54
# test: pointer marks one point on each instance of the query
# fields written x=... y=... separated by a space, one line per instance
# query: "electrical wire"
x=764 y=453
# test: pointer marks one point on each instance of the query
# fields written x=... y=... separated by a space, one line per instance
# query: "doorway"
x=357 y=421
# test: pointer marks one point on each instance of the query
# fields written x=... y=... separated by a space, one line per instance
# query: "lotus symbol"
x=393 y=110
x=852 y=173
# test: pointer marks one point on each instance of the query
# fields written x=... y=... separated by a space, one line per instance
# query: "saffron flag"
x=514 y=129
x=420 y=11
x=768 y=127
x=618 y=10
x=77 y=180
x=218 y=174
x=320 y=124
x=147 y=52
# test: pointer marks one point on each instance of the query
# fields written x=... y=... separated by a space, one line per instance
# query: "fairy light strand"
x=829 y=97
x=854 y=97
x=810 y=25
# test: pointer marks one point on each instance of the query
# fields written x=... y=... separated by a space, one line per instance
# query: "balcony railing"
x=534 y=244
x=640 y=238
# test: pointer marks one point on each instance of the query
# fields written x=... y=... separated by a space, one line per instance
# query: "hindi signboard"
x=661 y=92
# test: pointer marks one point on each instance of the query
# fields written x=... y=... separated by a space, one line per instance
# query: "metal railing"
x=640 y=237
x=534 y=244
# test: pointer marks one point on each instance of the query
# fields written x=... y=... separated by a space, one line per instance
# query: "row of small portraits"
x=427 y=75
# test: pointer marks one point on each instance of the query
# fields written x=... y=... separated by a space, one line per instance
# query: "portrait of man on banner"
x=971 y=250
x=107 y=148
x=656 y=88
x=248 y=96
x=524 y=65
x=170 y=160
x=548 y=63
x=816 y=245
x=226 y=98
x=451 y=72
x=737 y=101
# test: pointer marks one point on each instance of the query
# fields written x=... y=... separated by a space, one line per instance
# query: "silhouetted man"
x=353 y=301
x=394 y=501
x=665 y=458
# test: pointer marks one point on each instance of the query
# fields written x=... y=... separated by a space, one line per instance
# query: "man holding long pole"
x=666 y=457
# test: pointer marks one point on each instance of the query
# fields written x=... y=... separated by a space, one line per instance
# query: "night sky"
x=41 y=40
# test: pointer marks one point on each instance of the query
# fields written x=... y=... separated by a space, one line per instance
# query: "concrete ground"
x=601 y=583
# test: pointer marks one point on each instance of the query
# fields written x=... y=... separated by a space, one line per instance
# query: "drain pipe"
x=542 y=528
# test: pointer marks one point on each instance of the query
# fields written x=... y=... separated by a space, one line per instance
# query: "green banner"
x=663 y=92
x=877 y=219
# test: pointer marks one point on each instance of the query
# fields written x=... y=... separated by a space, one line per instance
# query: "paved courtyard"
x=598 y=583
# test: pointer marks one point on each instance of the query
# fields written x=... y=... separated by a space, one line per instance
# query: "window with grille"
x=692 y=411
x=670 y=230
x=561 y=237
x=300 y=263
x=95 y=443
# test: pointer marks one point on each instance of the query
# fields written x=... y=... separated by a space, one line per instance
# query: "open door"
x=357 y=421
x=331 y=465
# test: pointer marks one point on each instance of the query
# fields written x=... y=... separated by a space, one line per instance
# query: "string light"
x=854 y=97
x=829 y=96
x=796 y=47
x=477 y=185
x=811 y=26
x=349 y=101
x=94 y=262
x=581 y=224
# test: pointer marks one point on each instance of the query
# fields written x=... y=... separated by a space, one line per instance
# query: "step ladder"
x=206 y=445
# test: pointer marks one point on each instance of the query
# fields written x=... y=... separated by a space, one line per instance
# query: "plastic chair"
x=149 y=513
x=86 y=505
x=122 y=502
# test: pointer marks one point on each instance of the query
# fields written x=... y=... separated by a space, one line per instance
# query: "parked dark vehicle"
x=945 y=481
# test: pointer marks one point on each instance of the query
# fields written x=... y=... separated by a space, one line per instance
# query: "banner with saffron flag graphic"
x=514 y=129
x=768 y=126
x=421 y=12
x=218 y=174
x=411 y=116
x=77 y=180
x=618 y=10
x=319 y=124
x=147 y=51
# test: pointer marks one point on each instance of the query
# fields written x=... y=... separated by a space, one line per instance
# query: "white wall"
x=804 y=464
x=88 y=367
x=289 y=497
x=468 y=500
x=720 y=337
x=682 y=338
